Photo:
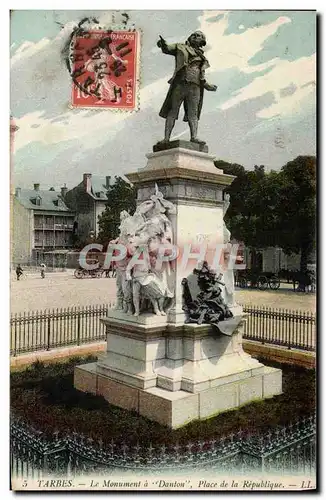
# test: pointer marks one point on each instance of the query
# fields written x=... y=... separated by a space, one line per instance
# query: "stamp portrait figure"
x=187 y=84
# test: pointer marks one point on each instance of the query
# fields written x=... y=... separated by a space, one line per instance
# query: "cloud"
x=91 y=129
x=240 y=48
x=236 y=49
x=39 y=75
x=41 y=87
x=289 y=105
x=284 y=74
x=27 y=50
x=41 y=62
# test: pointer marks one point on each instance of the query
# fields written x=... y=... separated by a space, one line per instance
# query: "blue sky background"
x=262 y=113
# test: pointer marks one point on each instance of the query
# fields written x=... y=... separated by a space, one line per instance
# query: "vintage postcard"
x=163 y=250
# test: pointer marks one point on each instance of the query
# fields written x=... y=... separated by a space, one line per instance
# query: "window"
x=59 y=240
x=36 y=201
x=49 y=221
x=49 y=240
x=59 y=220
x=38 y=222
x=38 y=238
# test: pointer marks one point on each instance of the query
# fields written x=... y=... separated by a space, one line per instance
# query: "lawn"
x=45 y=397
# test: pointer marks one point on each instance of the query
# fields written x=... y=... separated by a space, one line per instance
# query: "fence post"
x=78 y=325
x=49 y=333
x=304 y=321
x=15 y=333
x=292 y=324
x=287 y=325
x=24 y=322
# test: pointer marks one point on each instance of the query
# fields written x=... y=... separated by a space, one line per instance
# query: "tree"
x=250 y=217
x=296 y=208
x=275 y=208
x=121 y=196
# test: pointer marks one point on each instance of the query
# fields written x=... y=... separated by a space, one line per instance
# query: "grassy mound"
x=44 y=395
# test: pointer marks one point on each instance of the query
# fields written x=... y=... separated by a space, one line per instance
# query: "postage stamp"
x=104 y=69
x=163 y=254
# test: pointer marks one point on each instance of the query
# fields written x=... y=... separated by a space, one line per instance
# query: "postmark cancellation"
x=104 y=67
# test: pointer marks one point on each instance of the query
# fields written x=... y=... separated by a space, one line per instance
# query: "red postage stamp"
x=104 y=69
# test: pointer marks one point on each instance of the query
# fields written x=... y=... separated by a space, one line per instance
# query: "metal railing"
x=283 y=327
x=45 y=330
x=281 y=450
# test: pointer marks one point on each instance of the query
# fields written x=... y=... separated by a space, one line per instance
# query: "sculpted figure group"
x=142 y=286
x=208 y=306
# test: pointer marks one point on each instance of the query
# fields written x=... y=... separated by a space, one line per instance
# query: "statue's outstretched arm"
x=170 y=49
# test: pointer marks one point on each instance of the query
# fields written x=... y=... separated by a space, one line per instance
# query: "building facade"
x=88 y=200
x=273 y=260
x=42 y=227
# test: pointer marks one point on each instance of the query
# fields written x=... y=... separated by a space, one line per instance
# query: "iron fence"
x=281 y=450
x=283 y=327
x=45 y=330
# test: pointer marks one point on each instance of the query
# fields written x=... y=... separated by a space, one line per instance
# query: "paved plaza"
x=62 y=289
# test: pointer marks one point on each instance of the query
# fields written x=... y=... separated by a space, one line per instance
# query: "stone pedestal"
x=161 y=367
x=189 y=179
x=175 y=374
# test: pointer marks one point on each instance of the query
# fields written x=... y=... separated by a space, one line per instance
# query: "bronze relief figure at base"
x=208 y=306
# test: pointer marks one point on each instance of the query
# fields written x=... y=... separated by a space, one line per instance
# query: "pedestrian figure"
x=43 y=267
x=19 y=271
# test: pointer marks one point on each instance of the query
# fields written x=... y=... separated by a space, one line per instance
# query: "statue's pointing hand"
x=161 y=43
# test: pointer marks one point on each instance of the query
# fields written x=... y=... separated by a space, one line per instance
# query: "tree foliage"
x=121 y=196
x=297 y=207
x=274 y=208
x=251 y=215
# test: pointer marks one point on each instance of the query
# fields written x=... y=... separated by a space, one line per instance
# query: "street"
x=62 y=289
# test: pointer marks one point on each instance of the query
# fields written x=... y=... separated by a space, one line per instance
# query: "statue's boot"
x=169 y=124
x=119 y=305
x=198 y=141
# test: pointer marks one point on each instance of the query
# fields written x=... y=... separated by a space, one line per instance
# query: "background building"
x=88 y=200
x=42 y=227
x=273 y=259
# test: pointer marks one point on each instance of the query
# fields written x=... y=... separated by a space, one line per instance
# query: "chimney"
x=36 y=187
x=64 y=190
x=107 y=181
x=87 y=180
x=18 y=192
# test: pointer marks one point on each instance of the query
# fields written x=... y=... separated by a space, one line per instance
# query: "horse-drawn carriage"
x=301 y=281
x=95 y=273
x=256 y=279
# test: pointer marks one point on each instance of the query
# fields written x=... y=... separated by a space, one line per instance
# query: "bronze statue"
x=208 y=306
x=187 y=84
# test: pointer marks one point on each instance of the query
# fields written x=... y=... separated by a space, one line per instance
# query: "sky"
x=263 y=62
